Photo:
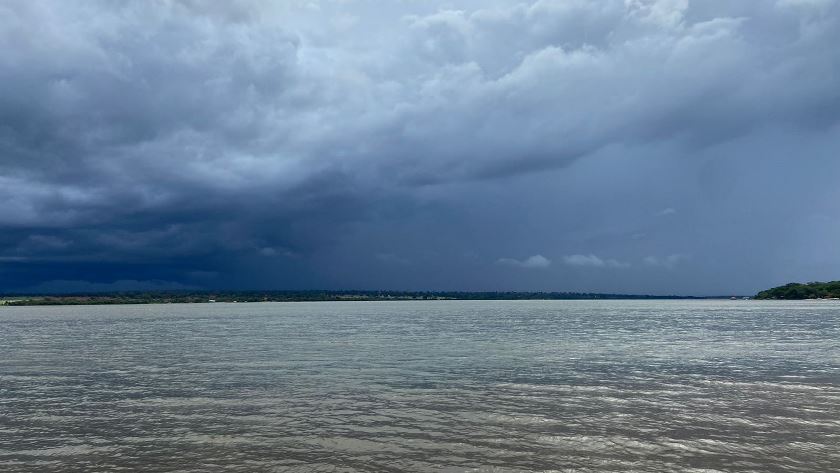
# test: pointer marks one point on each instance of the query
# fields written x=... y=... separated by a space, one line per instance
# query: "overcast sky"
x=634 y=146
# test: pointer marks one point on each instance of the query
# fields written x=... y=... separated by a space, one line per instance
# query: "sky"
x=631 y=146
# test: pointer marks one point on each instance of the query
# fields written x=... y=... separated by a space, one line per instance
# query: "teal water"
x=422 y=386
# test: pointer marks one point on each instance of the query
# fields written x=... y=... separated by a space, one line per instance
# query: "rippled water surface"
x=422 y=386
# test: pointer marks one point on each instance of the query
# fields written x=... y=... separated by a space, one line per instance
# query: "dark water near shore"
x=427 y=386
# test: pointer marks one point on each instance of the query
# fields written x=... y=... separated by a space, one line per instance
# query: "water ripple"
x=595 y=386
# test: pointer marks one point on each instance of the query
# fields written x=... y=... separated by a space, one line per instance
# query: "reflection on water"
x=425 y=386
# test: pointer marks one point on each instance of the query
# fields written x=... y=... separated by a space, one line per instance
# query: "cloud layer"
x=536 y=261
x=594 y=261
x=407 y=145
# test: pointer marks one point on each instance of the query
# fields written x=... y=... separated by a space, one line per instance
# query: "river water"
x=591 y=386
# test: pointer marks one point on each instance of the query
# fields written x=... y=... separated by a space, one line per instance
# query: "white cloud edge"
x=594 y=261
x=532 y=262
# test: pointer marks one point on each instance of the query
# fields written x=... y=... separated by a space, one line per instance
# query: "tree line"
x=798 y=291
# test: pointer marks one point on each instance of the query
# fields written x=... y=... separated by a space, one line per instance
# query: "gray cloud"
x=536 y=261
x=594 y=261
x=82 y=287
x=667 y=261
x=293 y=140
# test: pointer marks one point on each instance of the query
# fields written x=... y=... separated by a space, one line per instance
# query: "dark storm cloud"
x=353 y=144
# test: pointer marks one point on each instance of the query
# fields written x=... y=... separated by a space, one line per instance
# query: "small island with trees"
x=799 y=291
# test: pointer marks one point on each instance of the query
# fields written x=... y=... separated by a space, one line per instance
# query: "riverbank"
x=308 y=296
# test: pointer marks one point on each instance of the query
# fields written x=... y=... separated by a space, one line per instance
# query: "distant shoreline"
x=792 y=291
x=181 y=297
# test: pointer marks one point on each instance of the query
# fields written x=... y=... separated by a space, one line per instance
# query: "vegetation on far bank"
x=799 y=291
x=180 y=297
